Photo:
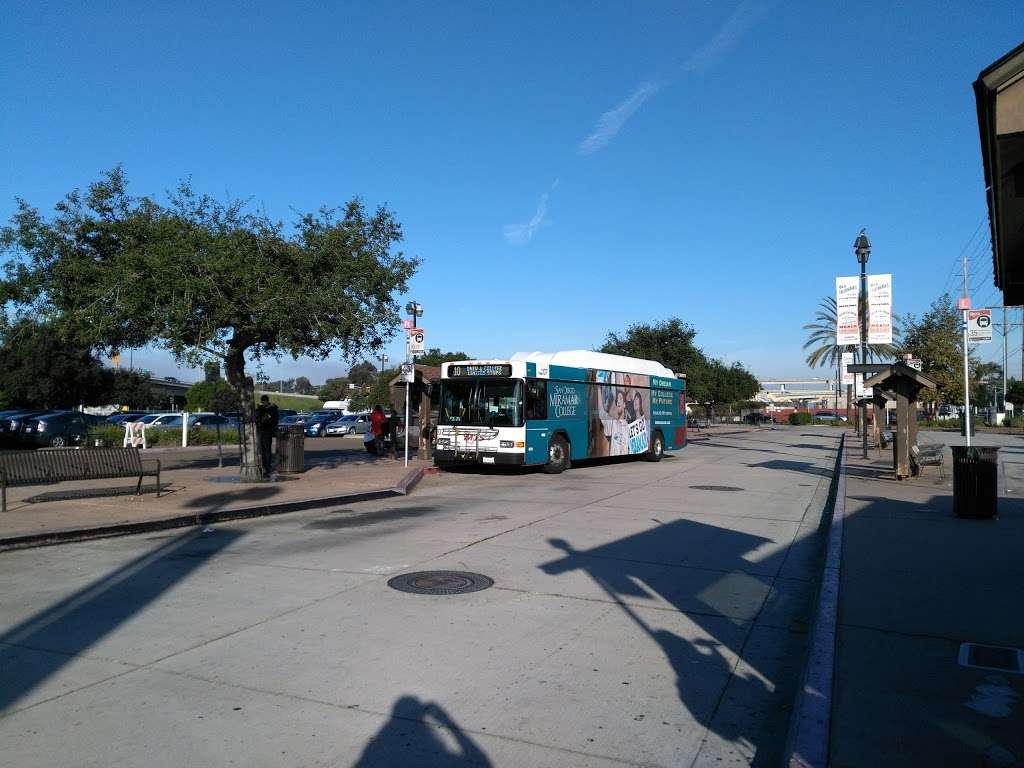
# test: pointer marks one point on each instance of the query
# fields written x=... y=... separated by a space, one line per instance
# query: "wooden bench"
x=924 y=455
x=63 y=464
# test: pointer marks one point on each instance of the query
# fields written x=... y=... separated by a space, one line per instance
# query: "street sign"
x=916 y=363
x=979 y=325
x=408 y=323
x=409 y=372
x=416 y=342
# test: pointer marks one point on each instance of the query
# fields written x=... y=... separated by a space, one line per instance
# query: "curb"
x=807 y=742
x=69 y=535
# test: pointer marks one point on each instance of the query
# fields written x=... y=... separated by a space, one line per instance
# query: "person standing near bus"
x=377 y=419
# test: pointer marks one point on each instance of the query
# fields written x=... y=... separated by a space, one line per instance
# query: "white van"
x=336 y=405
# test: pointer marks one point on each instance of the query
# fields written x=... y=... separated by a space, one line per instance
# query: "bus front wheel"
x=657 y=450
x=558 y=455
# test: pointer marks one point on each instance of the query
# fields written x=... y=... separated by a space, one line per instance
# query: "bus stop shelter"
x=902 y=383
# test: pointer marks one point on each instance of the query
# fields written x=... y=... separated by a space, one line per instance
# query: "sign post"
x=413 y=347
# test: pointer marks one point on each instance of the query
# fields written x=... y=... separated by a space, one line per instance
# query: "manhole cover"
x=440 y=582
x=991 y=657
x=715 y=488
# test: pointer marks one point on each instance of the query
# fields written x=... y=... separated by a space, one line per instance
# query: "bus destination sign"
x=471 y=371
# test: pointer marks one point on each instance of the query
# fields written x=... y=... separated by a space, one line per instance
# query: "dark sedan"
x=55 y=429
x=10 y=426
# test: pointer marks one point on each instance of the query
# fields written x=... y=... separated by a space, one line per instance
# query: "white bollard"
x=184 y=429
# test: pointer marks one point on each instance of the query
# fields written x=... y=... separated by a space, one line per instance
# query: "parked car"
x=211 y=420
x=10 y=427
x=164 y=420
x=55 y=429
x=289 y=420
x=827 y=417
x=353 y=424
x=757 y=418
x=123 y=416
x=149 y=418
x=946 y=412
x=316 y=425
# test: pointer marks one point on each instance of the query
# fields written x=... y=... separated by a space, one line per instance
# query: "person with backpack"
x=266 y=428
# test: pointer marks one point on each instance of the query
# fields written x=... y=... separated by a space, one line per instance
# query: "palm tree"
x=822 y=339
x=825 y=351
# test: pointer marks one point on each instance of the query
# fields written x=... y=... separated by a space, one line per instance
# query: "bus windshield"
x=481 y=403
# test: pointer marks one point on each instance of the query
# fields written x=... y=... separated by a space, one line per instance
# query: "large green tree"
x=363 y=374
x=671 y=342
x=302 y=386
x=936 y=339
x=40 y=368
x=208 y=280
x=334 y=389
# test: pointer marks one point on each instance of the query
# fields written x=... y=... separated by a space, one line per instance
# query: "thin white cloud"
x=746 y=15
x=520 y=234
x=611 y=122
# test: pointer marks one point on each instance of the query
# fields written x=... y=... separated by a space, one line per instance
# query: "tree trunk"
x=250 y=465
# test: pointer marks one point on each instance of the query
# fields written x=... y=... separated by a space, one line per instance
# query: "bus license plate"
x=488 y=459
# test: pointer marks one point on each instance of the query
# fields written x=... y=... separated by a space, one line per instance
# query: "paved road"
x=635 y=620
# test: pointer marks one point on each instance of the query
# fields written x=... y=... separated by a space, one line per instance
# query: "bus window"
x=536 y=399
x=455 y=399
x=498 y=404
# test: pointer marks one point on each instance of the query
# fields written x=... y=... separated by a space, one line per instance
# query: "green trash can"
x=291 y=449
x=975 y=482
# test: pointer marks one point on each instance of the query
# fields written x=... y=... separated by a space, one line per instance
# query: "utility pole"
x=965 y=304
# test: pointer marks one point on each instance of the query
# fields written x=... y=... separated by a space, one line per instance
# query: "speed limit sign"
x=416 y=341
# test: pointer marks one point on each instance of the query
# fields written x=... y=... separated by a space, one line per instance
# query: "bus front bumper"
x=473 y=457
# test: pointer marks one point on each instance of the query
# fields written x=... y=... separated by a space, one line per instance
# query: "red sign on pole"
x=408 y=323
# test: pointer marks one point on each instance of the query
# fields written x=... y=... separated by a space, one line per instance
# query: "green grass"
x=296 y=403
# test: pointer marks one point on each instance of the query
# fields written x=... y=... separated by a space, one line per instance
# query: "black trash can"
x=975 y=482
x=291 y=449
x=974 y=420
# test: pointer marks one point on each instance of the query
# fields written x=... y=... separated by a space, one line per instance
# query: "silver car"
x=352 y=424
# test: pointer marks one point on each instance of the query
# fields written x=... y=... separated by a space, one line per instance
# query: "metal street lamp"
x=862 y=247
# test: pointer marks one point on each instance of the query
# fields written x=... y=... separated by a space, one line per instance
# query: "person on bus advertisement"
x=619 y=405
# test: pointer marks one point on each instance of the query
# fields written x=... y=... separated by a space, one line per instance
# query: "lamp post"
x=862 y=247
x=415 y=311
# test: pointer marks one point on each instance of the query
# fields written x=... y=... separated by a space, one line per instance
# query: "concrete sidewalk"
x=194 y=494
x=916 y=583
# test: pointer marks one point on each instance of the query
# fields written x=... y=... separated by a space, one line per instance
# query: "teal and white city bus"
x=551 y=408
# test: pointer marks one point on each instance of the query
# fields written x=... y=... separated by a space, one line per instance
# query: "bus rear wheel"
x=558 y=456
x=657 y=450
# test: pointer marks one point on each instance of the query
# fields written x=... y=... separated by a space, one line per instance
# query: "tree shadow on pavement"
x=42 y=644
x=420 y=733
x=745 y=703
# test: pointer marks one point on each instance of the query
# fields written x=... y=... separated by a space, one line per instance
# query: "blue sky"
x=563 y=169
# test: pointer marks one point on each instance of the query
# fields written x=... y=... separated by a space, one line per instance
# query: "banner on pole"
x=845 y=364
x=847 y=322
x=879 y=309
